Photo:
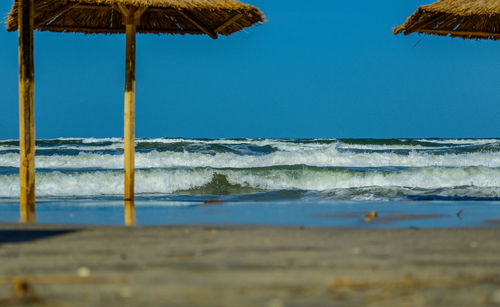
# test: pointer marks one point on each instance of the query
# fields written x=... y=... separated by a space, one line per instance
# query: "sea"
x=297 y=182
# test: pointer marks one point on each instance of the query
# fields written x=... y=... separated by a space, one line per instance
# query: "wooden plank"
x=129 y=120
x=63 y=9
x=138 y=14
x=228 y=23
x=197 y=23
x=26 y=111
x=123 y=9
x=132 y=14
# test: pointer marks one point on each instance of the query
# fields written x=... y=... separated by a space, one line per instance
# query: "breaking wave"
x=484 y=181
x=350 y=169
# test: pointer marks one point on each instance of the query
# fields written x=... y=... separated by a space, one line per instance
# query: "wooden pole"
x=129 y=213
x=129 y=122
x=26 y=111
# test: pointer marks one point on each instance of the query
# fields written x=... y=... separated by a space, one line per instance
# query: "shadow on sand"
x=25 y=235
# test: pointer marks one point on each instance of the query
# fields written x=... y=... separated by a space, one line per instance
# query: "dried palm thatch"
x=210 y=17
x=471 y=19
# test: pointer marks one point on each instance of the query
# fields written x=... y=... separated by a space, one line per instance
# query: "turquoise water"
x=269 y=181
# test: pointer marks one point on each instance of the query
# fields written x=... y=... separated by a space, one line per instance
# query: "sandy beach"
x=48 y=265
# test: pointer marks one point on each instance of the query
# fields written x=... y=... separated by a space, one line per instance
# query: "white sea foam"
x=171 y=180
x=386 y=147
x=328 y=156
x=115 y=146
x=106 y=183
x=100 y=140
x=168 y=171
x=428 y=178
x=460 y=141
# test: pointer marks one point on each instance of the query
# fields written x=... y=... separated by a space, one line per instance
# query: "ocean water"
x=178 y=172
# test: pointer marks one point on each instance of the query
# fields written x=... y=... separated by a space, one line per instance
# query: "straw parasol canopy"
x=468 y=19
x=211 y=17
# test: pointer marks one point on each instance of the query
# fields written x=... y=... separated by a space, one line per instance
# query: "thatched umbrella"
x=468 y=19
x=211 y=17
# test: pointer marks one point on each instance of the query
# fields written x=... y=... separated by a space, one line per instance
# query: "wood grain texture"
x=26 y=112
x=129 y=120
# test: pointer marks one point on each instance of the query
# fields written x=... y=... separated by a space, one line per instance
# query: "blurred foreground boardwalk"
x=247 y=266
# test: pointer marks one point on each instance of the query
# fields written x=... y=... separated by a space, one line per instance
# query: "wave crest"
x=238 y=181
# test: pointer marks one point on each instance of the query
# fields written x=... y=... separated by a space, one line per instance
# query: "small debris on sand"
x=370 y=216
x=83 y=272
x=24 y=293
x=21 y=287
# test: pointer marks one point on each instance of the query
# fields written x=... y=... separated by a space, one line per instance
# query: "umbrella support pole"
x=26 y=111
x=129 y=213
x=132 y=16
x=129 y=123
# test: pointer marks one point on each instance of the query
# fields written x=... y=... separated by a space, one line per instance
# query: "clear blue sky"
x=315 y=69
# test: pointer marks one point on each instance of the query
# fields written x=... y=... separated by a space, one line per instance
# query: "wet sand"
x=45 y=265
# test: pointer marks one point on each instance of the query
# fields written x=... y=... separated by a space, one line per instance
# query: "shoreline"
x=247 y=266
x=421 y=214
